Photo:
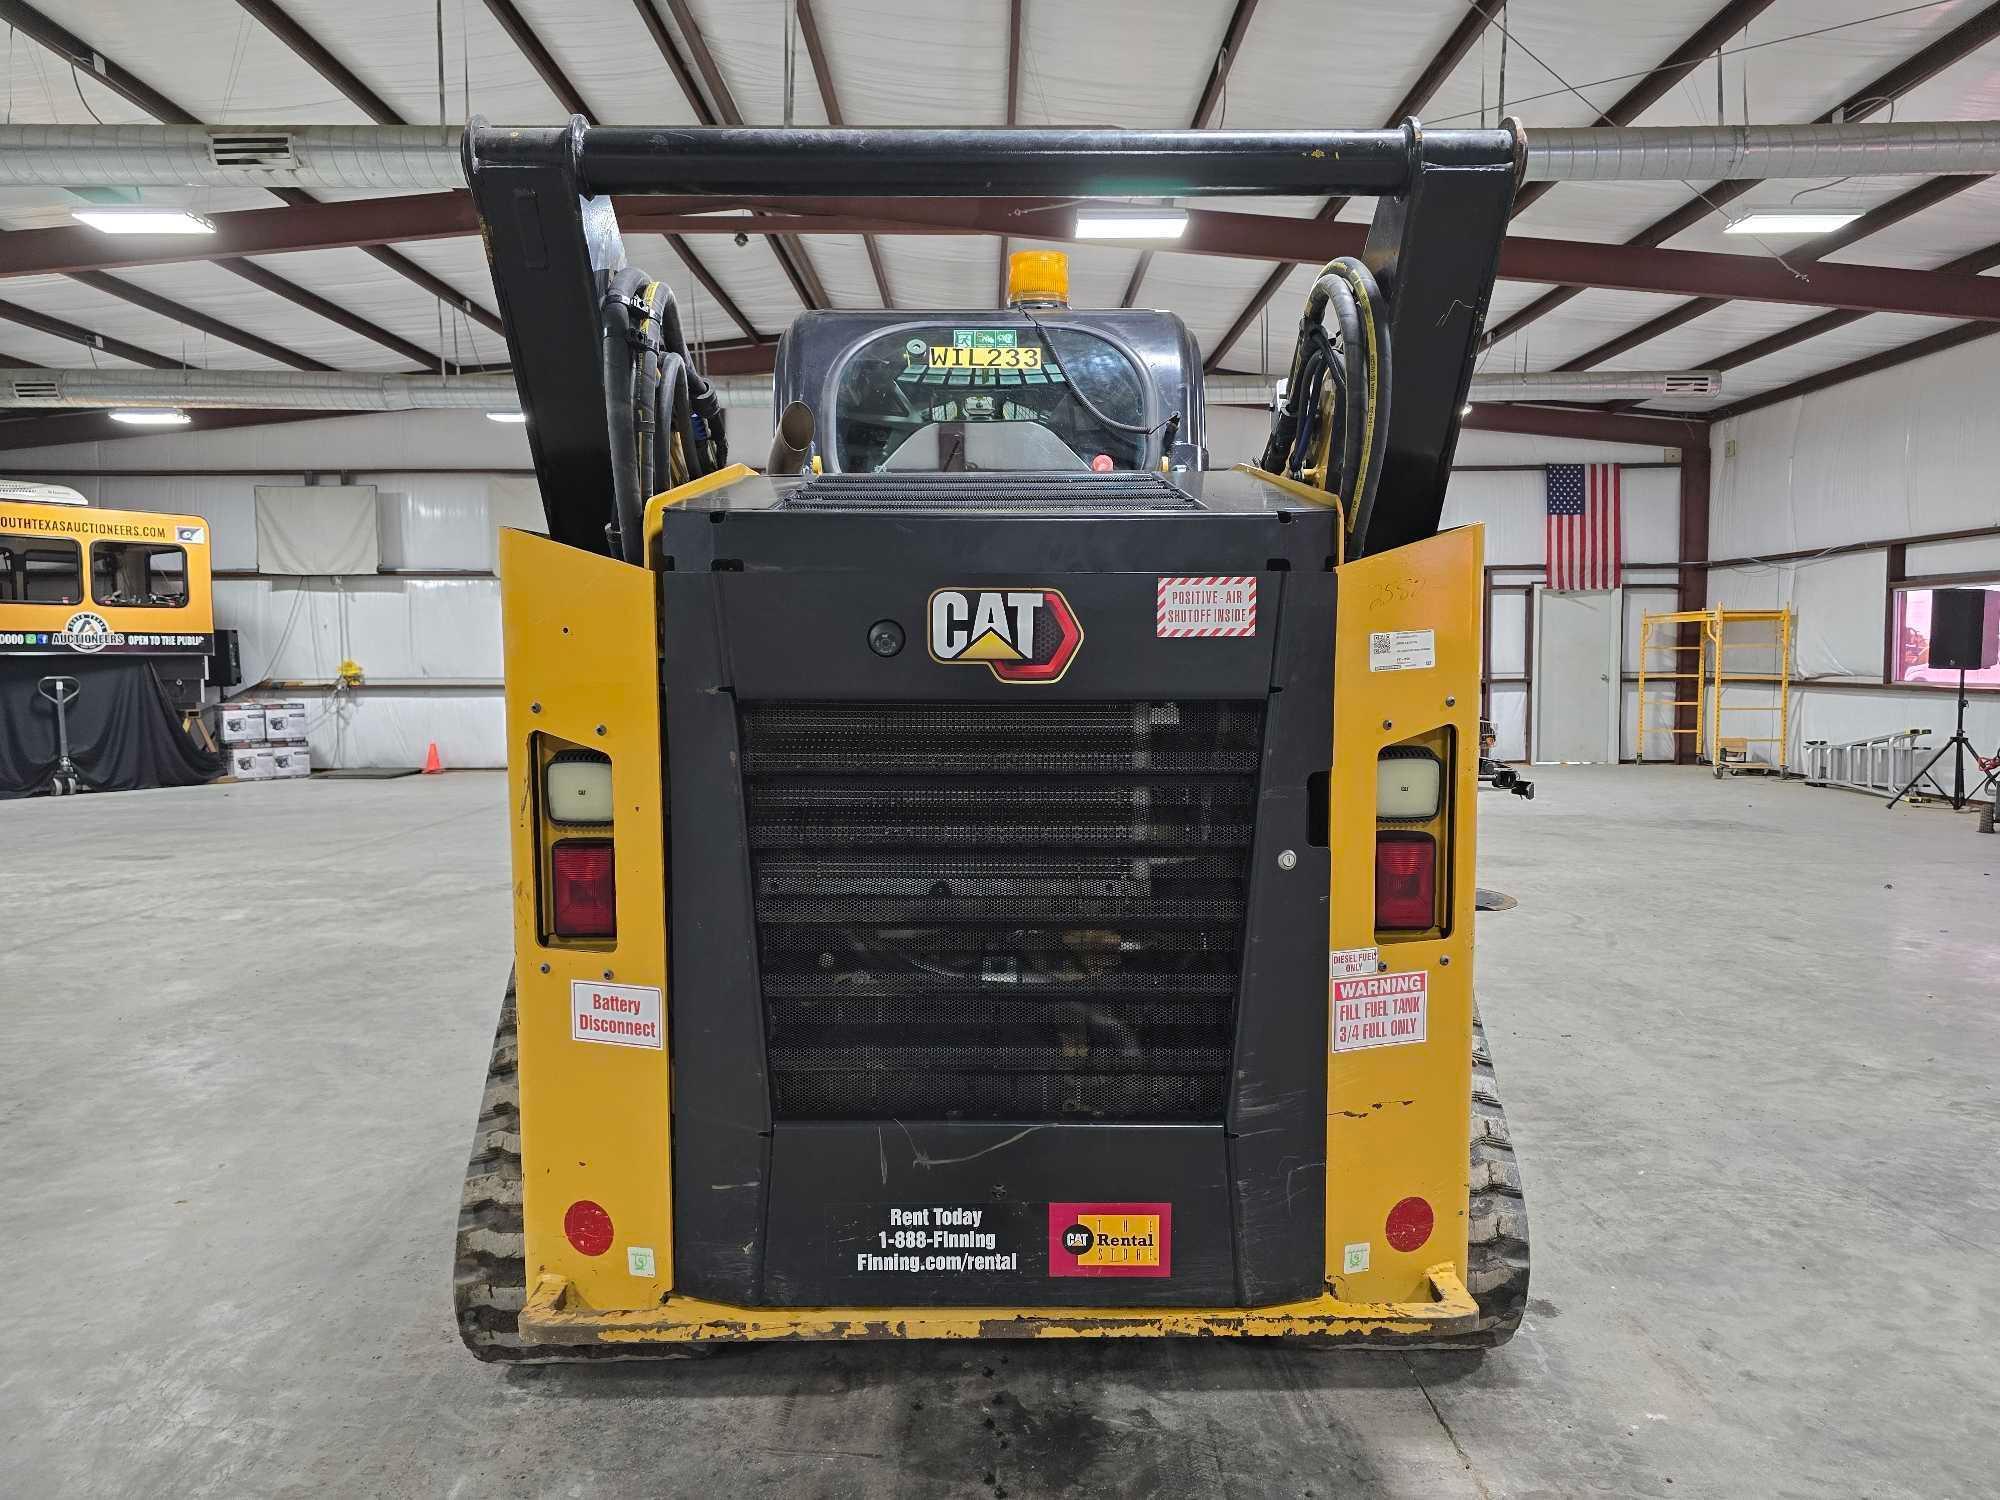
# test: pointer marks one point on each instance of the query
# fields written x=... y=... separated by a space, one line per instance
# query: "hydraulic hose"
x=653 y=397
x=1356 y=408
x=624 y=350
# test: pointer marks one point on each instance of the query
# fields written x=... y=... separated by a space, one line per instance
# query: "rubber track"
x=489 y=1279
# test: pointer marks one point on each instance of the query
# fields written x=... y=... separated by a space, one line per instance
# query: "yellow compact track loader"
x=989 y=875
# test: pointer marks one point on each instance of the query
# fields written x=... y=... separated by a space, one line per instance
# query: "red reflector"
x=588 y=1227
x=585 y=889
x=1405 y=880
x=1409 y=1224
x=1102 y=464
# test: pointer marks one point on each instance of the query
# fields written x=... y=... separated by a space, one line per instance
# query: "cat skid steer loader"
x=990 y=875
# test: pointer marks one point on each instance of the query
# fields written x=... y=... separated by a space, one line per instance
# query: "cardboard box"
x=285 y=721
x=243 y=724
x=252 y=762
x=290 y=760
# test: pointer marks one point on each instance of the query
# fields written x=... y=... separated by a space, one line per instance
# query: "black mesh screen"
x=996 y=911
x=1036 y=493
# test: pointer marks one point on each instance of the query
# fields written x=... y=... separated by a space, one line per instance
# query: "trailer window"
x=1909 y=659
x=138 y=575
x=40 y=570
x=932 y=383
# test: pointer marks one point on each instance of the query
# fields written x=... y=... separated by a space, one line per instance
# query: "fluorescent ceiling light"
x=143 y=220
x=166 y=417
x=506 y=416
x=1131 y=223
x=1788 y=222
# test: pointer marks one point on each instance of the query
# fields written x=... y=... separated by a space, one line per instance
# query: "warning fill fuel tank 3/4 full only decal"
x=1022 y=635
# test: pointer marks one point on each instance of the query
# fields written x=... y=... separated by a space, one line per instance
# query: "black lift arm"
x=543 y=196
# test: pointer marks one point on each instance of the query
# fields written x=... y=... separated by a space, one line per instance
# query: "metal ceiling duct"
x=312 y=390
x=289 y=390
x=1552 y=385
x=276 y=390
x=426 y=157
x=386 y=158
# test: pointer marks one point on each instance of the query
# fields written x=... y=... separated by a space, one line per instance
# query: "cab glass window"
x=965 y=395
x=138 y=575
x=40 y=570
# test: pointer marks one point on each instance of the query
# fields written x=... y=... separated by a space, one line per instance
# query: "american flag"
x=1583 y=526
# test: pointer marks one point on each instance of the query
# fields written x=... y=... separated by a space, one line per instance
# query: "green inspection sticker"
x=984 y=338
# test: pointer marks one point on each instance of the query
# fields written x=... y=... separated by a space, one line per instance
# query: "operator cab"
x=1038 y=387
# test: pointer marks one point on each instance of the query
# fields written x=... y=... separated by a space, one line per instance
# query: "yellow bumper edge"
x=553 y=1314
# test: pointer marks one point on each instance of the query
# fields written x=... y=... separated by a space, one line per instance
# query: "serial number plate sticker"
x=1385 y=1010
x=1352 y=963
x=618 y=1015
x=1401 y=650
x=1186 y=608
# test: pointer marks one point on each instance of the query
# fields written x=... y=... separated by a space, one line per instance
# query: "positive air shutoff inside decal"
x=1020 y=635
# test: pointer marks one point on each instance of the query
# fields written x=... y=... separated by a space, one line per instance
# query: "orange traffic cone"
x=431 y=764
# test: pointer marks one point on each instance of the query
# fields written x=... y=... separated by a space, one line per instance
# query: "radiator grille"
x=1033 y=493
x=1000 y=911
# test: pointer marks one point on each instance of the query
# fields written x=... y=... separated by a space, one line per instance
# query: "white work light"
x=1131 y=223
x=143 y=220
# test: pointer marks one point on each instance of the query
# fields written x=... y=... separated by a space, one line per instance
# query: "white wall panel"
x=1512 y=505
x=1510 y=633
x=435 y=523
x=468 y=726
x=1509 y=711
x=1977 y=555
x=1905 y=452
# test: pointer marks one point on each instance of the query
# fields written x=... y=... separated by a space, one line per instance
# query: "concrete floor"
x=1748 y=1036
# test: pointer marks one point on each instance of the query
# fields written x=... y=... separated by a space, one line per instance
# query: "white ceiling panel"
x=363 y=285
x=209 y=289
x=748 y=42
x=604 y=50
x=211 y=58
x=1123 y=63
x=1563 y=68
x=842 y=263
x=1580 y=324
x=19 y=344
x=112 y=317
x=1164 y=50
x=1871 y=335
x=913 y=62
x=392 y=46
x=1306 y=67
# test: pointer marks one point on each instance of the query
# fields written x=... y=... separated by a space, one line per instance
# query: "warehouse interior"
x=1723 y=437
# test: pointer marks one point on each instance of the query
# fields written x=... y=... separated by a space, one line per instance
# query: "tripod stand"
x=1960 y=747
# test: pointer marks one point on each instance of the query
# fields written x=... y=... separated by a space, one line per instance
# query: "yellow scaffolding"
x=1675 y=674
x=1666 y=678
x=1732 y=752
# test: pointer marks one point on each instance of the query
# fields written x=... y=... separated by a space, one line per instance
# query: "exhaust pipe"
x=789 y=442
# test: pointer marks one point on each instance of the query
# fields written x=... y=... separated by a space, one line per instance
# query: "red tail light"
x=585 y=888
x=1405 y=881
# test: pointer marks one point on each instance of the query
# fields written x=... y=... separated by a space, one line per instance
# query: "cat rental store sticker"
x=1111 y=1239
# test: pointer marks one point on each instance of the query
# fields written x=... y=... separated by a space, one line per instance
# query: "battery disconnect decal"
x=1111 y=1239
x=1199 y=608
